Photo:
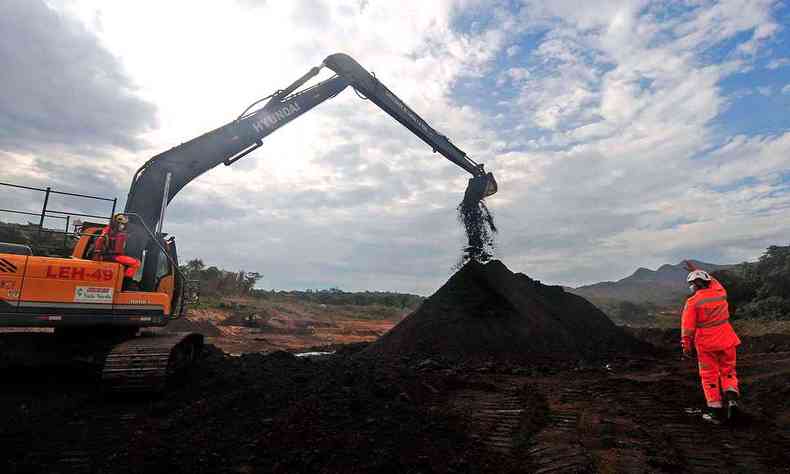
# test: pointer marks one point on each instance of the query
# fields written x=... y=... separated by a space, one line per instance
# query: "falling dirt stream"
x=480 y=229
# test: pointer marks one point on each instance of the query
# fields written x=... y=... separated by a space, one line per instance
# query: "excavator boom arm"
x=163 y=176
x=173 y=169
x=368 y=85
x=225 y=144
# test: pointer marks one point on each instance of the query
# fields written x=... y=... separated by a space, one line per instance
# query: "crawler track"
x=145 y=363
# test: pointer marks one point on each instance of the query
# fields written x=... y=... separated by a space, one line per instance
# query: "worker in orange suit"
x=706 y=325
x=111 y=245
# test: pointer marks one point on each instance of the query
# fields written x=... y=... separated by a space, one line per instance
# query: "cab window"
x=163 y=266
x=91 y=247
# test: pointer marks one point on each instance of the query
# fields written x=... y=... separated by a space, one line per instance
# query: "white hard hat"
x=698 y=275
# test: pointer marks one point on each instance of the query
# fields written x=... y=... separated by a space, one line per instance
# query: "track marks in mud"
x=557 y=447
x=494 y=416
x=85 y=445
x=676 y=440
x=518 y=429
x=623 y=425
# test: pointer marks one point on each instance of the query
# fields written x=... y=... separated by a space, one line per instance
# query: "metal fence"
x=65 y=216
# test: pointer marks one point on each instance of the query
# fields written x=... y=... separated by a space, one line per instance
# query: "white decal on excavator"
x=406 y=111
x=271 y=120
x=93 y=294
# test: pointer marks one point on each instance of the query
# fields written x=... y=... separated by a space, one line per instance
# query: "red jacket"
x=109 y=244
x=706 y=319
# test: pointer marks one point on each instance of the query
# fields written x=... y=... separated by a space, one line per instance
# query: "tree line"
x=215 y=282
x=760 y=290
x=335 y=296
x=41 y=241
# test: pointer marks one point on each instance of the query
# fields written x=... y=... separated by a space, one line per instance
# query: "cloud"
x=514 y=75
x=61 y=87
x=345 y=195
x=758 y=157
x=777 y=63
x=631 y=168
x=602 y=132
x=786 y=89
x=252 y=3
x=69 y=113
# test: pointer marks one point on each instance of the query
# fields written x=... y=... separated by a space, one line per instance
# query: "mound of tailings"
x=486 y=312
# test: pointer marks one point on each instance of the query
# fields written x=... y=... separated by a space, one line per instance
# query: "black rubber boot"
x=731 y=407
x=714 y=415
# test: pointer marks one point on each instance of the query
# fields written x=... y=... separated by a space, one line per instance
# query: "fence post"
x=114 y=202
x=66 y=234
x=43 y=212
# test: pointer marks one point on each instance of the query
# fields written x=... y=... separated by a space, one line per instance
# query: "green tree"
x=760 y=290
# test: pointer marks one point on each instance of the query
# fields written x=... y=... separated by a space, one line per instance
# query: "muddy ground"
x=340 y=413
x=263 y=327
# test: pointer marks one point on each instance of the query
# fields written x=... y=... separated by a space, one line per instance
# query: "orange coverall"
x=111 y=245
x=706 y=322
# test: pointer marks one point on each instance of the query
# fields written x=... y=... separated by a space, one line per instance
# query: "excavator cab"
x=160 y=273
x=170 y=280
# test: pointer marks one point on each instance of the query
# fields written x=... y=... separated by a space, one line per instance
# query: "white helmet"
x=698 y=275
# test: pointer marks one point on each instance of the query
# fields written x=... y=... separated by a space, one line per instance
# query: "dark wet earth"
x=279 y=413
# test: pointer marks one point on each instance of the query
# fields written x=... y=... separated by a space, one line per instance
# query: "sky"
x=623 y=134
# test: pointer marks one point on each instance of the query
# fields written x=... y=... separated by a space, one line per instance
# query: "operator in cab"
x=111 y=245
x=706 y=326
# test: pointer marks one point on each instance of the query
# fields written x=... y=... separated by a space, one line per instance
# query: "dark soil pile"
x=188 y=325
x=486 y=312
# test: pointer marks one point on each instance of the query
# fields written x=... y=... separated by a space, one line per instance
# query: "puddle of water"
x=300 y=354
x=314 y=354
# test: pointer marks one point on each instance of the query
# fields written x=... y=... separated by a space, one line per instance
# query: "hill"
x=664 y=286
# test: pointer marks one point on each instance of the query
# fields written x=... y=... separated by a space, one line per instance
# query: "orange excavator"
x=100 y=304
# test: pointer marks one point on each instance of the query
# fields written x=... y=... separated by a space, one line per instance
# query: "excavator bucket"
x=480 y=187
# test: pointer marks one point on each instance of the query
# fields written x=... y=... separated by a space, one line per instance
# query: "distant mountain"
x=664 y=286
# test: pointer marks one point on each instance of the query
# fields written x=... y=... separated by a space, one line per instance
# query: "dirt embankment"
x=263 y=326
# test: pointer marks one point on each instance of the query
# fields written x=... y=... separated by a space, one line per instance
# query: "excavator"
x=92 y=302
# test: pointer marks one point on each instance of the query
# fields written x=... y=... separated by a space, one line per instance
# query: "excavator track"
x=145 y=363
